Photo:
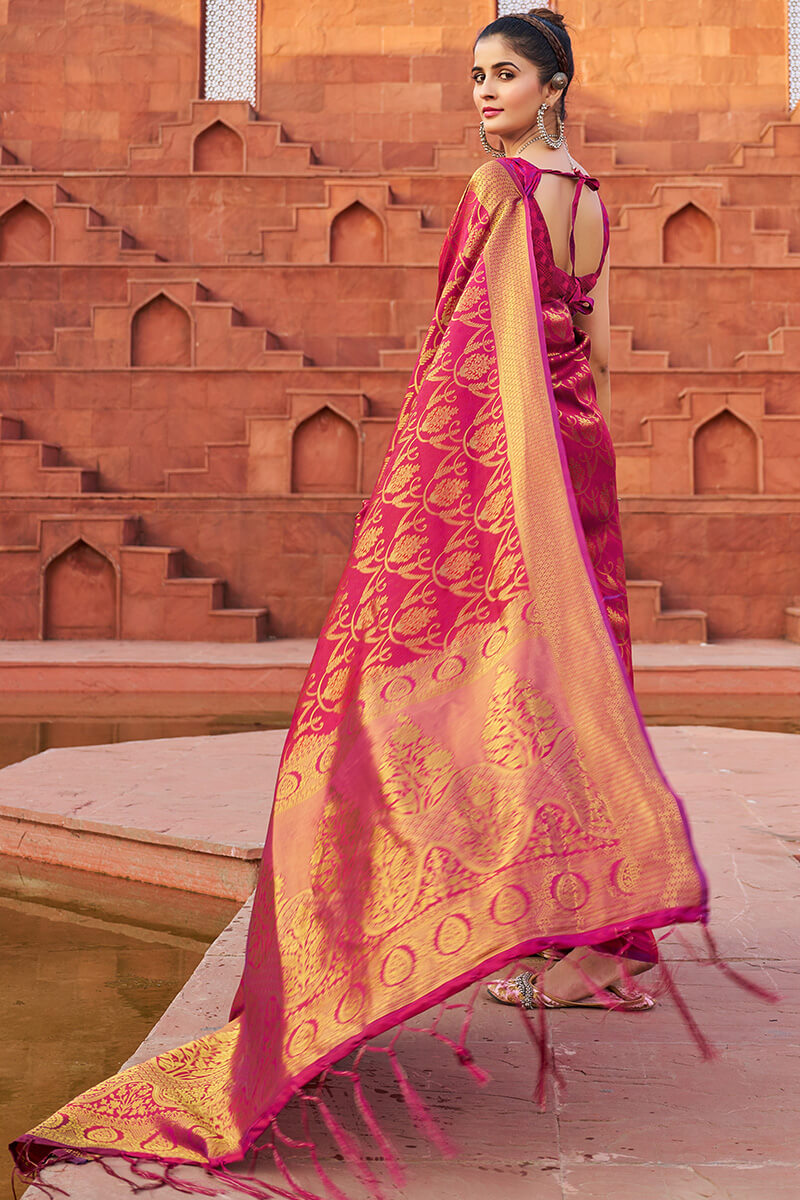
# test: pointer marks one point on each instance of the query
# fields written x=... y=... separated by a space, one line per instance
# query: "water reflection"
x=87 y=966
x=21 y=737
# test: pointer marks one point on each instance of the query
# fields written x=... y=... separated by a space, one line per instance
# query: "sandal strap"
x=526 y=988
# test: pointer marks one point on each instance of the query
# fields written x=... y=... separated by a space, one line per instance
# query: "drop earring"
x=485 y=142
x=553 y=143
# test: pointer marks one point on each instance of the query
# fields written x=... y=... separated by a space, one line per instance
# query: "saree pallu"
x=466 y=778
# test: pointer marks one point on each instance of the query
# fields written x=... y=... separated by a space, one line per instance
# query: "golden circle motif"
x=301 y=1039
x=570 y=891
x=288 y=783
x=451 y=668
x=510 y=904
x=623 y=876
x=398 y=966
x=103 y=1135
x=398 y=689
x=350 y=1004
x=453 y=934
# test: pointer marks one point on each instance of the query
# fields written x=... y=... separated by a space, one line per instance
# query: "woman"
x=569 y=226
x=466 y=779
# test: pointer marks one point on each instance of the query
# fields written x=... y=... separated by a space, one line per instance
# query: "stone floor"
x=641 y=1116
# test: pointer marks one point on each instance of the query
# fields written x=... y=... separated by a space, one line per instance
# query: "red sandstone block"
x=329 y=533
x=456 y=97
x=715 y=39
x=403 y=155
x=770 y=68
x=626 y=12
x=758 y=41
x=381 y=68
x=332 y=568
x=732 y=70
x=419 y=97
x=24 y=283
x=354 y=39
x=380 y=126
x=297 y=575
x=410 y=39
x=306 y=614
x=442 y=69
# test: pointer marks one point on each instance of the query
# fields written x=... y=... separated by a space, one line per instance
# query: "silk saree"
x=467 y=777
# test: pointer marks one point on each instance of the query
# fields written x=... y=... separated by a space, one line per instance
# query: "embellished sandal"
x=524 y=992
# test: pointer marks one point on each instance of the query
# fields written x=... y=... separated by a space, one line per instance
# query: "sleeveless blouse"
x=556 y=284
x=586 y=438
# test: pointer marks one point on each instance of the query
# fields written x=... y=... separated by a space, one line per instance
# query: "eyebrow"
x=496 y=65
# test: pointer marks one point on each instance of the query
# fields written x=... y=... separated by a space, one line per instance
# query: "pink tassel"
x=464 y=1056
x=327 y=1181
x=36 y=1181
x=349 y=1149
x=771 y=997
x=277 y=1132
x=181 y=1185
x=284 y=1170
x=382 y=1142
x=419 y=1112
x=705 y=1047
x=248 y=1186
x=538 y=1031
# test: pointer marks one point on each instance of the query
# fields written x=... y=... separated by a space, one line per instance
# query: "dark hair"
x=534 y=45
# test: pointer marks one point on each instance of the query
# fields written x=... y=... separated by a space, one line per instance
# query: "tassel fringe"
x=146 y=1175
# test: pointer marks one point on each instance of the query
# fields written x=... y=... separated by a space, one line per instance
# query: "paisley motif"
x=466 y=773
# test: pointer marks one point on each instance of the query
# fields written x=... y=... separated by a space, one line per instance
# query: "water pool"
x=21 y=737
x=88 y=963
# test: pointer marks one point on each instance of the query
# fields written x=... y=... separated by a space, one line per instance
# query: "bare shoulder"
x=580 y=166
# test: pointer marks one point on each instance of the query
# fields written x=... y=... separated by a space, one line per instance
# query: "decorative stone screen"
x=794 y=52
x=504 y=7
x=231 y=41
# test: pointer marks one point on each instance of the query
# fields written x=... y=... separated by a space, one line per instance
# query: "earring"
x=553 y=143
x=485 y=142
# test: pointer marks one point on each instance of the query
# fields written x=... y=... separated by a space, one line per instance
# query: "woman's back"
x=570 y=224
x=554 y=195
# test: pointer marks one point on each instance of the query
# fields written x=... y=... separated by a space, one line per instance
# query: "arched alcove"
x=357 y=235
x=80 y=590
x=218 y=148
x=25 y=234
x=690 y=236
x=161 y=334
x=725 y=456
x=325 y=454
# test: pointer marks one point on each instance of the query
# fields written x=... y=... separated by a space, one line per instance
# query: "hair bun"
x=546 y=14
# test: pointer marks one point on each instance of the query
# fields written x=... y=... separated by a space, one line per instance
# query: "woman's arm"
x=597 y=324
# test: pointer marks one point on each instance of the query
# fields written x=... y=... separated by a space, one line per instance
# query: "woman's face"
x=506 y=89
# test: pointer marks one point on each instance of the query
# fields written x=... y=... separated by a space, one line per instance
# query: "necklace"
x=537 y=137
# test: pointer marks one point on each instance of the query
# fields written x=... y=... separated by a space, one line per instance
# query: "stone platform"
x=744 y=679
x=188 y=813
x=642 y=1117
x=143 y=810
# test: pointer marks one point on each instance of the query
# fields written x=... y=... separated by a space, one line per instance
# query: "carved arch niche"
x=80 y=594
x=725 y=456
x=325 y=454
x=26 y=234
x=357 y=235
x=161 y=334
x=689 y=237
x=218 y=149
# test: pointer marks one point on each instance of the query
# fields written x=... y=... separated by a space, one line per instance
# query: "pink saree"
x=467 y=777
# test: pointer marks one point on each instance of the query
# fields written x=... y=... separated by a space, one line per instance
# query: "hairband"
x=551 y=36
